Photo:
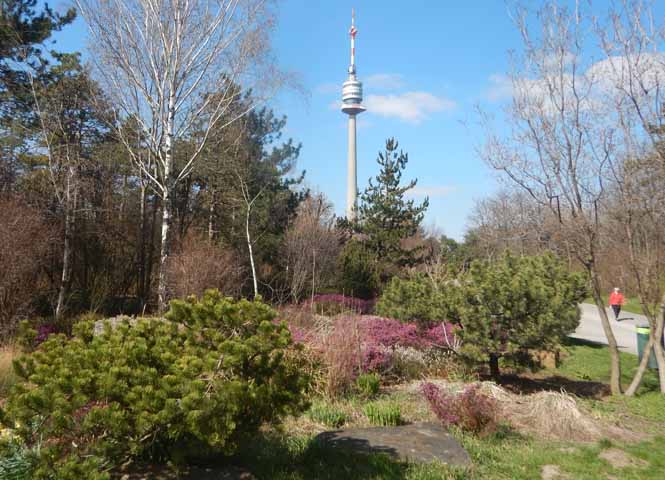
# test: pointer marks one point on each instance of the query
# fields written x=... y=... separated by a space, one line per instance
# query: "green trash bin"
x=642 y=339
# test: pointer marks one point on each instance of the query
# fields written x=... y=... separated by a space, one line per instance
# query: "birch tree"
x=178 y=66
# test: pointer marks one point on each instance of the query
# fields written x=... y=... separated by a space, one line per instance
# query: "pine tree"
x=385 y=216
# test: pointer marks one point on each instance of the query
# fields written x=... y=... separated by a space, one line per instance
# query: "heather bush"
x=327 y=414
x=368 y=384
x=196 y=383
x=383 y=413
x=471 y=410
x=348 y=346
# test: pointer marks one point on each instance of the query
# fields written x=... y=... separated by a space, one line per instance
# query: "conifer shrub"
x=357 y=271
x=413 y=300
x=171 y=389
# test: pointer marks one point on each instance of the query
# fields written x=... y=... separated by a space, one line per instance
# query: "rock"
x=419 y=442
x=620 y=459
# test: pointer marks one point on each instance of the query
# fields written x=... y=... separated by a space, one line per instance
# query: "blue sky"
x=424 y=64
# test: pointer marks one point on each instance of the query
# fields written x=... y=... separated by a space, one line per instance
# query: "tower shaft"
x=352 y=172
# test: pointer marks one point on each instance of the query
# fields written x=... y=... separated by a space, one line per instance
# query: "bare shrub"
x=24 y=242
x=200 y=265
x=311 y=247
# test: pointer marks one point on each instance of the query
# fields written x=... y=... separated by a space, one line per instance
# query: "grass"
x=505 y=456
x=587 y=361
x=7 y=375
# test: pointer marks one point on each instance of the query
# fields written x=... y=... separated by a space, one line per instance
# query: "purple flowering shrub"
x=471 y=410
x=43 y=332
x=349 y=345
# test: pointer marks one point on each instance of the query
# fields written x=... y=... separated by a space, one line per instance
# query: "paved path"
x=591 y=329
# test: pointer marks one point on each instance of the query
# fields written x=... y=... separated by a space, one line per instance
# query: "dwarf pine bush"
x=196 y=383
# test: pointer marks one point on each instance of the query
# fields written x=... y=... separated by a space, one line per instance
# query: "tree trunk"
x=164 y=253
x=658 y=347
x=615 y=365
x=211 y=216
x=69 y=206
x=641 y=368
x=150 y=257
x=494 y=366
x=141 y=287
x=168 y=194
x=251 y=252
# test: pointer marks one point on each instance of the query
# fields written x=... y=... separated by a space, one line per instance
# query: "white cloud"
x=608 y=79
x=412 y=107
x=431 y=191
x=384 y=81
x=500 y=88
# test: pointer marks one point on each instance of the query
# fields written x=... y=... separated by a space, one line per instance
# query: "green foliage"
x=368 y=384
x=412 y=300
x=383 y=413
x=194 y=384
x=357 y=271
x=516 y=304
x=16 y=461
x=327 y=414
x=384 y=215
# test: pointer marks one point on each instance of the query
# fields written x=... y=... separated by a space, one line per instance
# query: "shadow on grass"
x=554 y=383
x=282 y=457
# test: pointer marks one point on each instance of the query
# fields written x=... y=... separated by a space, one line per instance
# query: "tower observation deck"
x=352 y=97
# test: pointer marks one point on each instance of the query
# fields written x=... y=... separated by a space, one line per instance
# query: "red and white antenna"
x=353 y=33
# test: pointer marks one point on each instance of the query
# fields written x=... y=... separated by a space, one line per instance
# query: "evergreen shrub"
x=357 y=271
x=193 y=384
x=413 y=300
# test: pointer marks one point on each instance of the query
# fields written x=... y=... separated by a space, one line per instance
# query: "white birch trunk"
x=69 y=205
x=251 y=252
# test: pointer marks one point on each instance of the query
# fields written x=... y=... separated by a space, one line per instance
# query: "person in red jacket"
x=616 y=301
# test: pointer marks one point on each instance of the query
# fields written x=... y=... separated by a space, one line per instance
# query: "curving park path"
x=591 y=329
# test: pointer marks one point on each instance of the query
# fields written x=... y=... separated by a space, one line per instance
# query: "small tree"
x=417 y=299
x=516 y=304
x=356 y=270
x=385 y=217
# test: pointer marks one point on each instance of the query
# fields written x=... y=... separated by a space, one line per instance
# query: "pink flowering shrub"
x=347 y=346
x=471 y=410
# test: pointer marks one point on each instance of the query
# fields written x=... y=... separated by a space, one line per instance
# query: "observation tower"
x=352 y=98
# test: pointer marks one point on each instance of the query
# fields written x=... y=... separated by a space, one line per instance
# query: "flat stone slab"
x=418 y=442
